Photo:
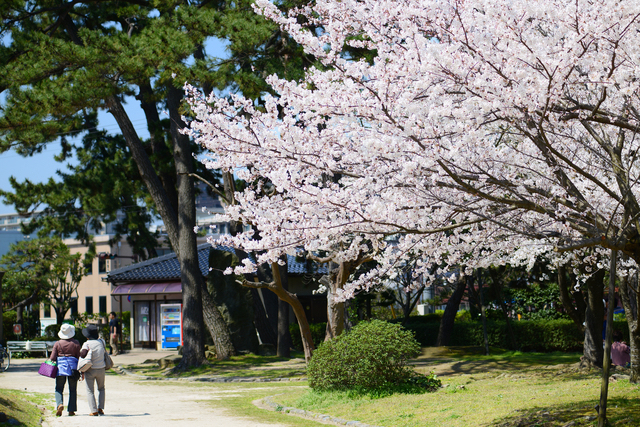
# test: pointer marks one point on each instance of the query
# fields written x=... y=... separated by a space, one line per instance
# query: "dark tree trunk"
x=292 y=300
x=411 y=302
x=604 y=385
x=60 y=313
x=190 y=275
x=283 y=348
x=233 y=301
x=630 y=300
x=213 y=319
x=479 y=302
x=572 y=301
x=498 y=286
x=263 y=325
x=483 y=315
x=449 y=316
x=192 y=279
x=593 y=352
x=336 y=315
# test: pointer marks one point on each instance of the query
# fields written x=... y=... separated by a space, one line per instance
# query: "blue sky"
x=41 y=167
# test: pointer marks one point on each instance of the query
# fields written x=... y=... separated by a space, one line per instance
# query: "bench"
x=43 y=346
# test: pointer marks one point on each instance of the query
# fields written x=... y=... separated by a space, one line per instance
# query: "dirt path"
x=129 y=403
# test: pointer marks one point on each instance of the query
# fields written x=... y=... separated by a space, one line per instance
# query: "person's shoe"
x=93 y=414
x=59 y=411
x=100 y=411
x=71 y=413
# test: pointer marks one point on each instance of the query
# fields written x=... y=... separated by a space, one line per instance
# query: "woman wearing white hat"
x=66 y=352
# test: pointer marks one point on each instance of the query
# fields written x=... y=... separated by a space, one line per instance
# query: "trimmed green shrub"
x=372 y=355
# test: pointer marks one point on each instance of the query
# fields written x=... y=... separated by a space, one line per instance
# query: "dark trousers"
x=73 y=396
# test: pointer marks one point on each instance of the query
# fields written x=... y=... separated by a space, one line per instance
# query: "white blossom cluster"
x=483 y=132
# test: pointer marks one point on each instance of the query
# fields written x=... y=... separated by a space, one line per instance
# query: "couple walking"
x=66 y=353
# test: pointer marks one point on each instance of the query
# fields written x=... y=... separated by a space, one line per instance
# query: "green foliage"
x=461 y=316
x=531 y=335
x=370 y=356
x=317 y=334
x=81 y=320
x=534 y=301
x=620 y=317
x=425 y=382
x=8 y=319
x=41 y=270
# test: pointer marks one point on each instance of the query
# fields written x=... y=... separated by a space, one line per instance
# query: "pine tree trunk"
x=213 y=319
x=449 y=316
x=192 y=279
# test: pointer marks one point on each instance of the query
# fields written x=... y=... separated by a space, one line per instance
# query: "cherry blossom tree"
x=482 y=131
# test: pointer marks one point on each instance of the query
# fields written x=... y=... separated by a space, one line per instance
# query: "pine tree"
x=62 y=61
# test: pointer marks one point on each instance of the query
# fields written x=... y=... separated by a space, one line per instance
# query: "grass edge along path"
x=27 y=409
x=269 y=404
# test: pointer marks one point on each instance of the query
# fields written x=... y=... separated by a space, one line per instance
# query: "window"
x=74 y=306
x=102 y=266
x=89 y=270
x=89 y=305
x=102 y=304
x=163 y=251
x=47 y=310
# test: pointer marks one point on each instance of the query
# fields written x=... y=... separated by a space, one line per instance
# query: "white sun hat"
x=67 y=331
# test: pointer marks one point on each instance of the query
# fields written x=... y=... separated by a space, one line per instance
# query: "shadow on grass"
x=620 y=412
x=6 y=403
x=471 y=360
x=249 y=365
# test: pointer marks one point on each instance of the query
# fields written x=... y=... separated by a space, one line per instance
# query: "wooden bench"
x=43 y=346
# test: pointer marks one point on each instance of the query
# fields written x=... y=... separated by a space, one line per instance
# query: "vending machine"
x=171 y=325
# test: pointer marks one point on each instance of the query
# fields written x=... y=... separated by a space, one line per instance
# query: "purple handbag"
x=49 y=369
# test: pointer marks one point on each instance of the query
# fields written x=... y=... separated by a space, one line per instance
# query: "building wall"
x=93 y=292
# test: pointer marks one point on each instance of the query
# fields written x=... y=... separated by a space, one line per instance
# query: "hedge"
x=530 y=335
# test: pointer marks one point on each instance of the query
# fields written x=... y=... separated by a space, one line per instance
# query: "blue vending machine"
x=171 y=324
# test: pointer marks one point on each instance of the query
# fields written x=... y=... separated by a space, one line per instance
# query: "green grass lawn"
x=505 y=389
x=21 y=407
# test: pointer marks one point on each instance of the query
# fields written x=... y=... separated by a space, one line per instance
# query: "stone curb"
x=308 y=414
x=122 y=371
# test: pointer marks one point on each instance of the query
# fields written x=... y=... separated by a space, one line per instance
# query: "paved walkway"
x=130 y=403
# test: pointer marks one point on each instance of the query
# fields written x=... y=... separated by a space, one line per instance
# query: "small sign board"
x=17 y=329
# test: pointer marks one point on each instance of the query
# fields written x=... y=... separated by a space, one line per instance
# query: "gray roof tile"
x=167 y=267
